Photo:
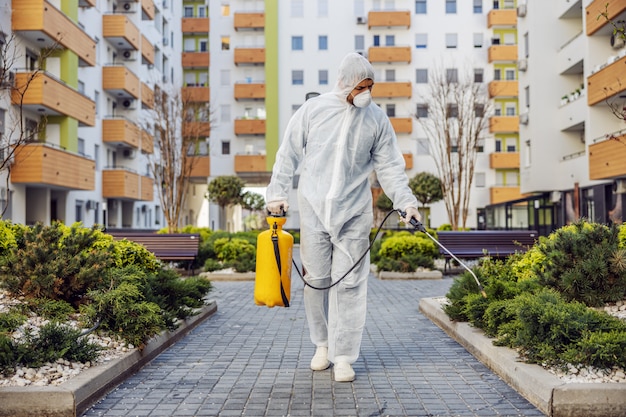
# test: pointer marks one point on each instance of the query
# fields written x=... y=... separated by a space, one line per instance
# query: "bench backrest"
x=165 y=246
x=492 y=242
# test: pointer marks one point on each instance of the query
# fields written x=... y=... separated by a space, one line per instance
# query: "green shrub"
x=599 y=349
x=237 y=253
x=56 y=310
x=11 y=320
x=8 y=361
x=128 y=253
x=405 y=252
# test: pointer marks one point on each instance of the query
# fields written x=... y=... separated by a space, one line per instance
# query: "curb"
x=235 y=276
x=410 y=275
x=75 y=396
x=544 y=390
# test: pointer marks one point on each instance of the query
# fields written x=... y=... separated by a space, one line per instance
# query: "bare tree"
x=180 y=125
x=458 y=114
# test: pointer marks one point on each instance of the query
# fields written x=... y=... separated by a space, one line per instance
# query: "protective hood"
x=352 y=70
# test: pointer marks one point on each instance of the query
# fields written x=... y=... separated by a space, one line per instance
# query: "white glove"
x=411 y=212
x=278 y=207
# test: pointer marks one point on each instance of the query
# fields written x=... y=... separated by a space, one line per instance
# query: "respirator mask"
x=362 y=100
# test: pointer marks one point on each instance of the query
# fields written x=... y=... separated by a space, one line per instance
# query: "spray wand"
x=420 y=227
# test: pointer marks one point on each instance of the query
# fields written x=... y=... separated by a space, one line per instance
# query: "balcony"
x=147 y=51
x=249 y=21
x=120 y=31
x=570 y=58
x=120 y=81
x=192 y=60
x=607 y=82
x=503 y=89
x=402 y=124
x=249 y=56
x=504 y=124
x=616 y=10
x=196 y=94
x=504 y=160
x=46 y=95
x=249 y=127
x=408 y=160
x=147 y=142
x=147 y=9
x=571 y=116
x=569 y=9
x=124 y=184
x=390 y=89
x=40 y=164
x=39 y=19
x=249 y=91
x=504 y=194
x=389 y=54
x=147 y=96
x=195 y=25
x=198 y=168
x=499 y=53
x=250 y=163
x=196 y=129
x=502 y=18
x=389 y=18
x=606 y=159
x=120 y=131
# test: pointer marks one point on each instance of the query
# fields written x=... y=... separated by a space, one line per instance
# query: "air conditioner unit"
x=129 y=153
x=361 y=20
x=617 y=40
x=620 y=186
x=522 y=65
x=7 y=78
x=521 y=10
x=127 y=6
x=127 y=103
x=91 y=205
x=128 y=55
x=523 y=118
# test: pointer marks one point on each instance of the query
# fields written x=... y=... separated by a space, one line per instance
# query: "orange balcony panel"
x=147 y=9
x=195 y=59
x=249 y=91
x=249 y=127
x=607 y=82
x=147 y=189
x=197 y=25
x=41 y=164
x=147 y=96
x=504 y=194
x=147 y=51
x=606 y=159
x=387 y=18
x=198 y=167
x=198 y=129
x=502 y=17
x=43 y=20
x=196 y=94
x=408 y=160
x=121 y=31
x=120 y=81
x=250 y=163
x=504 y=160
x=615 y=10
x=120 y=183
x=503 y=89
x=402 y=124
x=47 y=96
x=502 y=53
x=504 y=124
x=254 y=56
x=147 y=142
x=120 y=132
x=392 y=89
x=254 y=21
x=389 y=54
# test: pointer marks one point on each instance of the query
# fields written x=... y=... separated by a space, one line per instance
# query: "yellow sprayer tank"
x=274 y=251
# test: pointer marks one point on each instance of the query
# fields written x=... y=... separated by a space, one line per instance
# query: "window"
x=322 y=8
x=451 y=40
x=390 y=40
x=497 y=110
x=81 y=146
x=480 y=179
x=478 y=6
x=478 y=40
x=323 y=77
x=420 y=7
x=497 y=74
x=423 y=147
x=452 y=75
x=225 y=113
x=453 y=110
x=390 y=110
x=202 y=11
x=225 y=9
x=421 y=111
x=478 y=75
x=376 y=40
x=204 y=45
x=79 y=210
x=225 y=43
x=390 y=75
x=511 y=110
x=297 y=77
x=421 y=40
x=359 y=42
x=296 y=43
x=322 y=42
x=421 y=76
x=225 y=147
x=225 y=78
x=450 y=6
x=479 y=110
x=188 y=11
x=297 y=8
x=511 y=144
x=509 y=74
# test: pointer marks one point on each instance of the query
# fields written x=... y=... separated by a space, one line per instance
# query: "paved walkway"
x=248 y=360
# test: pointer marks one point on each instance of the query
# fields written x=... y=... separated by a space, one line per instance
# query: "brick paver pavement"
x=247 y=360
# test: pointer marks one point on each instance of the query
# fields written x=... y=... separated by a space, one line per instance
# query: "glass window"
x=480 y=179
x=359 y=42
x=376 y=40
x=390 y=110
x=453 y=110
x=450 y=6
x=421 y=76
x=390 y=75
x=478 y=6
x=322 y=8
x=225 y=113
x=225 y=78
x=225 y=147
x=390 y=40
x=451 y=40
x=497 y=74
x=322 y=42
x=297 y=77
x=225 y=43
x=421 y=40
x=478 y=75
x=452 y=75
x=296 y=43
x=509 y=74
x=297 y=8
x=188 y=11
x=423 y=147
x=511 y=110
x=225 y=9
x=479 y=110
x=323 y=77
x=422 y=110
x=478 y=40
x=420 y=7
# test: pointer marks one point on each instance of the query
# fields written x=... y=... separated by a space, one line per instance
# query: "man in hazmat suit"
x=338 y=139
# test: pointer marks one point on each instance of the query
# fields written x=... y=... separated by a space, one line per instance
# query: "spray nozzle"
x=414 y=222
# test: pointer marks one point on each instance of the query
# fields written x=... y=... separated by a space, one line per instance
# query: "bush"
x=236 y=253
x=405 y=252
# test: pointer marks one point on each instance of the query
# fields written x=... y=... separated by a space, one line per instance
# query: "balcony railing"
x=615 y=9
x=250 y=91
x=388 y=89
x=504 y=124
x=195 y=94
x=147 y=51
x=502 y=17
x=120 y=131
x=120 y=81
x=196 y=129
x=249 y=56
x=606 y=158
x=147 y=142
x=502 y=53
x=250 y=127
x=195 y=25
x=504 y=160
x=125 y=184
x=199 y=168
x=196 y=59
x=250 y=163
x=408 y=160
x=389 y=54
x=607 y=82
x=503 y=89
x=402 y=124
x=503 y=194
x=121 y=31
x=250 y=21
x=147 y=9
x=389 y=18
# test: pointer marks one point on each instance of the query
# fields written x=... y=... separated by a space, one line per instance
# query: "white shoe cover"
x=344 y=372
x=320 y=359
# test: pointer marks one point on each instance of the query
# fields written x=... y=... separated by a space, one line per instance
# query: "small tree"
x=254 y=202
x=225 y=191
x=427 y=188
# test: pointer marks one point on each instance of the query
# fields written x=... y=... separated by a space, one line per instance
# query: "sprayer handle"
x=414 y=222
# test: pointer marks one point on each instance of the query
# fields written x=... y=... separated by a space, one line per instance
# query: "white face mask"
x=363 y=99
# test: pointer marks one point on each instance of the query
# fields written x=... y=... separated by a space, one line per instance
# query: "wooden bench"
x=170 y=247
x=480 y=243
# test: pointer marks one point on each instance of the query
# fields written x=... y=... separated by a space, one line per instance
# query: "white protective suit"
x=337 y=146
